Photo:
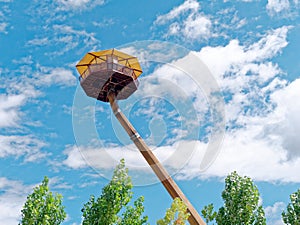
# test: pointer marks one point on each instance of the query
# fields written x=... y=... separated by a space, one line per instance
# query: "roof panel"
x=123 y=58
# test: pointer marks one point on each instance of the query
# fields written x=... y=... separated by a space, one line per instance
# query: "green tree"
x=292 y=214
x=133 y=215
x=241 y=204
x=176 y=215
x=115 y=197
x=42 y=207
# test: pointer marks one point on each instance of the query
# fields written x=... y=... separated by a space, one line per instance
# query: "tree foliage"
x=115 y=197
x=176 y=215
x=133 y=215
x=292 y=214
x=42 y=207
x=241 y=204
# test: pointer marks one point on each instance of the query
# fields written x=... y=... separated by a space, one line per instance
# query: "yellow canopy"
x=98 y=57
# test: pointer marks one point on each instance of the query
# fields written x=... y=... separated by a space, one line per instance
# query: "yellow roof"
x=98 y=57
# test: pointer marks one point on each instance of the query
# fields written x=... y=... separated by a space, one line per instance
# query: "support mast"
x=156 y=166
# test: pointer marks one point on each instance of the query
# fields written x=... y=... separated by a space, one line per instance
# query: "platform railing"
x=105 y=66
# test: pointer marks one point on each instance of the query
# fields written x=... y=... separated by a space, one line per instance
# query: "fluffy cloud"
x=197 y=26
x=186 y=21
x=5 y=12
x=273 y=213
x=104 y=159
x=9 y=110
x=18 y=146
x=248 y=154
x=22 y=89
x=232 y=57
x=3 y=27
x=58 y=183
x=276 y=6
x=66 y=37
x=187 y=6
x=267 y=128
x=285 y=7
x=242 y=151
x=55 y=76
x=285 y=121
x=246 y=73
x=12 y=197
x=79 y=4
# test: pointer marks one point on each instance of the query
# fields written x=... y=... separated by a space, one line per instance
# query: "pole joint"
x=135 y=136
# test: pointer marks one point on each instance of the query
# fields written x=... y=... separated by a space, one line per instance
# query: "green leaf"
x=42 y=207
x=176 y=215
x=105 y=210
x=292 y=215
x=241 y=204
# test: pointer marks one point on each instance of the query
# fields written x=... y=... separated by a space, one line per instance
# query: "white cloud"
x=12 y=197
x=10 y=110
x=278 y=222
x=189 y=5
x=104 y=23
x=58 y=183
x=221 y=60
x=178 y=86
x=104 y=158
x=22 y=146
x=286 y=8
x=21 y=85
x=27 y=60
x=185 y=21
x=246 y=73
x=74 y=158
x=80 y=4
x=268 y=128
x=174 y=156
x=197 y=26
x=240 y=0
x=71 y=38
x=270 y=45
x=5 y=16
x=66 y=37
x=3 y=27
x=285 y=123
x=55 y=76
x=242 y=151
x=273 y=213
x=38 y=41
x=276 y=6
x=23 y=89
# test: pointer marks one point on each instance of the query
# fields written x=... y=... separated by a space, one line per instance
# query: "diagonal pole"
x=156 y=166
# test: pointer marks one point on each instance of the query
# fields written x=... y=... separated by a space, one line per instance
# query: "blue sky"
x=190 y=52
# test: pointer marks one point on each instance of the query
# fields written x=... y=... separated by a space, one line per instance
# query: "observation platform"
x=106 y=71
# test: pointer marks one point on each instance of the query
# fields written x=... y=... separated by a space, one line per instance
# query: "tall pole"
x=159 y=170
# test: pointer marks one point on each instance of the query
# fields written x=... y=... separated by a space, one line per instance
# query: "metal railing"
x=106 y=66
